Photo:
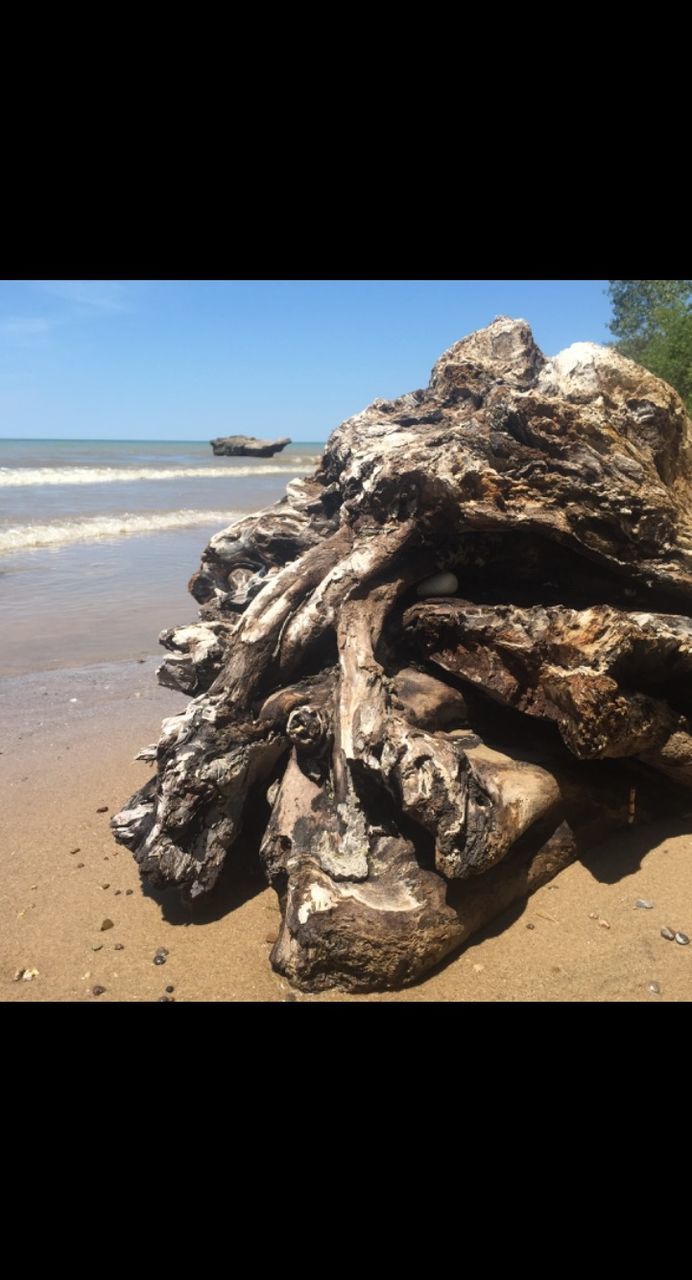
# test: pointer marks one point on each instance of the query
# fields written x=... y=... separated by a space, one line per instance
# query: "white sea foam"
x=60 y=533
x=13 y=476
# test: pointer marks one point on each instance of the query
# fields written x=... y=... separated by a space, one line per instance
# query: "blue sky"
x=187 y=360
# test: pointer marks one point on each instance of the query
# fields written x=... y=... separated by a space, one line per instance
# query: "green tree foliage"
x=652 y=322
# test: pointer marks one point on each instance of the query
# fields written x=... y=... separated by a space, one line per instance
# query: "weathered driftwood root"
x=427 y=760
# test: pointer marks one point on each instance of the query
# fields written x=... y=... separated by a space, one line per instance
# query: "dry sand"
x=68 y=742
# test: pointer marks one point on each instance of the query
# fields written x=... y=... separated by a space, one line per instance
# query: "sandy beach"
x=69 y=741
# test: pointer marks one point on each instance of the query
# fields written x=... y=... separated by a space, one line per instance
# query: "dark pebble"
x=107 y=924
x=159 y=959
x=682 y=938
x=530 y=926
x=77 y=850
x=98 y=946
x=141 y=659
x=166 y=999
x=98 y=991
x=170 y=990
x=103 y=808
x=128 y=892
x=79 y=864
x=667 y=934
x=118 y=892
x=119 y=946
x=105 y=886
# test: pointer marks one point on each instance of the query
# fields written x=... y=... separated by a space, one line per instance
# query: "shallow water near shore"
x=98 y=540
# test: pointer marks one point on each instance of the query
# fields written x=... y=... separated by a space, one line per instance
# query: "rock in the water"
x=411 y=764
x=247 y=446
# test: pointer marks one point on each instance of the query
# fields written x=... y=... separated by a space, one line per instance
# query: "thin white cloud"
x=25 y=326
x=90 y=296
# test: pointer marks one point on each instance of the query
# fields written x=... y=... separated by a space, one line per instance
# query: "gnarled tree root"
x=430 y=761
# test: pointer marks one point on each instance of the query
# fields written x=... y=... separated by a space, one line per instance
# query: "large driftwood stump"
x=452 y=659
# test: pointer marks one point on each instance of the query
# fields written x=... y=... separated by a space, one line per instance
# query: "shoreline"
x=62 y=760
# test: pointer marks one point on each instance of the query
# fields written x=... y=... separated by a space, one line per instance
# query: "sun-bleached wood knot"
x=305 y=728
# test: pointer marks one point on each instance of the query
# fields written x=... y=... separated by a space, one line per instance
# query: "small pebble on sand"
x=105 y=886
x=682 y=938
x=160 y=957
x=604 y=924
x=667 y=934
x=98 y=991
x=119 y=946
x=644 y=904
x=271 y=938
x=106 y=924
x=98 y=946
x=103 y=808
x=593 y=915
x=128 y=892
x=166 y=999
x=79 y=864
x=170 y=990
x=654 y=989
x=440 y=584
x=530 y=926
x=77 y=850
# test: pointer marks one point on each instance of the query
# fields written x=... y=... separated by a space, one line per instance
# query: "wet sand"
x=68 y=742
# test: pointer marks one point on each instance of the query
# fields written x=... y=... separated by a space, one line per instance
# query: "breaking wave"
x=61 y=533
x=109 y=475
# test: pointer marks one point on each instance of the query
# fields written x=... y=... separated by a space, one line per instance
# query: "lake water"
x=98 y=540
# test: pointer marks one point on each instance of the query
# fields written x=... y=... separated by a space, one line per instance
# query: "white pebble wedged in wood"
x=441 y=584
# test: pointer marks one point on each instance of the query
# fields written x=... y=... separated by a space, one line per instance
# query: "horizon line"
x=129 y=440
